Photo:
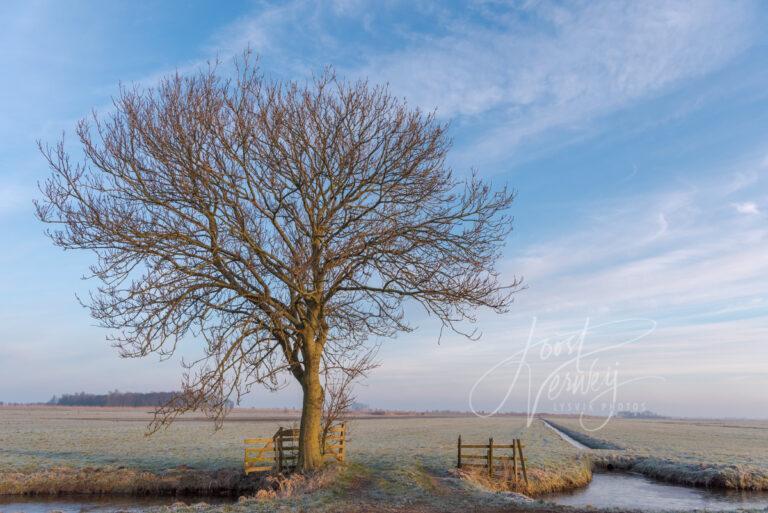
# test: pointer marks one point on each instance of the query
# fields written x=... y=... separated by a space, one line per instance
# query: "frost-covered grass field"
x=725 y=454
x=59 y=440
x=399 y=461
x=35 y=438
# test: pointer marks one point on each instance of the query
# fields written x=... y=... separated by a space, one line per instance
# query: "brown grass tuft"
x=298 y=484
x=279 y=487
x=540 y=481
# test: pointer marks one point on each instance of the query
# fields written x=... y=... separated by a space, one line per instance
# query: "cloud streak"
x=512 y=73
x=581 y=62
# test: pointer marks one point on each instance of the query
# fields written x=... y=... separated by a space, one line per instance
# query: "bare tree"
x=281 y=224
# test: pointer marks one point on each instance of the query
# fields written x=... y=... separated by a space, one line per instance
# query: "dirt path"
x=386 y=488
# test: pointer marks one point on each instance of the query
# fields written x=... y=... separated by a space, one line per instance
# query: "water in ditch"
x=633 y=491
x=623 y=490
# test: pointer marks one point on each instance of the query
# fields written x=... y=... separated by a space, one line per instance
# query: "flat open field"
x=37 y=439
x=730 y=453
x=402 y=461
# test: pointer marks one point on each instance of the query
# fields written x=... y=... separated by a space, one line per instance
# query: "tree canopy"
x=283 y=224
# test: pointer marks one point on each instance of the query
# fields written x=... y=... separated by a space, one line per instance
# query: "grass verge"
x=125 y=481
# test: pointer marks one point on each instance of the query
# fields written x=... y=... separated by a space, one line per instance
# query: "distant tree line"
x=645 y=414
x=115 y=398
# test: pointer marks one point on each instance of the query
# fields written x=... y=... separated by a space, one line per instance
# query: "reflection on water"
x=109 y=504
x=632 y=491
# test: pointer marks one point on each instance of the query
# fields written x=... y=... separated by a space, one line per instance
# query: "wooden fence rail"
x=281 y=452
x=493 y=460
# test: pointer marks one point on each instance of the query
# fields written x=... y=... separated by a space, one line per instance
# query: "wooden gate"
x=334 y=443
x=281 y=452
x=260 y=455
x=495 y=456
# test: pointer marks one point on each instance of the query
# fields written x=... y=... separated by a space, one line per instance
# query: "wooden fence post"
x=280 y=450
x=522 y=460
x=514 y=458
x=490 y=457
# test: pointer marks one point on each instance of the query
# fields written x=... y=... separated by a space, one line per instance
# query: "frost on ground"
x=396 y=464
x=396 y=460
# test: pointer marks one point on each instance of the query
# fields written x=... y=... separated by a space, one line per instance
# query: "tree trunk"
x=310 y=436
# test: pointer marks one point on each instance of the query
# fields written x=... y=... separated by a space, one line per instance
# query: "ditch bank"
x=606 y=456
x=580 y=440
x=699 y=475
x=130 y=482
x=103 y=504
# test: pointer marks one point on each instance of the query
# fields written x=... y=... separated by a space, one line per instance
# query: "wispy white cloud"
x=515 y=72
x=707 y=256
x=584 y=61
x=747 y=207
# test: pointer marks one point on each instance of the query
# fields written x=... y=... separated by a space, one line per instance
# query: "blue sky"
x=636 y=135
